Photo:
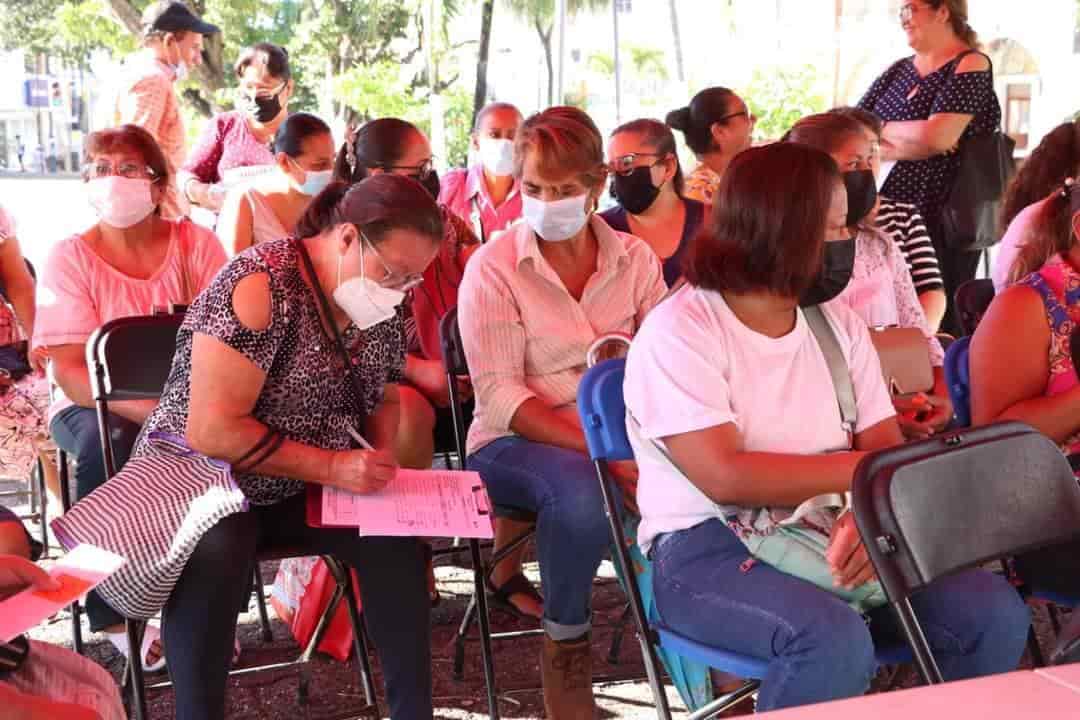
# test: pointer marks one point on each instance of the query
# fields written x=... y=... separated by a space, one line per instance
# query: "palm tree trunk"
x=676 y=39
x=545 y=41
x=480 y=96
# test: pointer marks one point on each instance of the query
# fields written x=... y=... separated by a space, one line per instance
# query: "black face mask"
x=835 y=273
x=261 y=109
x=635 y=190
x=861 y=194
x=430 y=183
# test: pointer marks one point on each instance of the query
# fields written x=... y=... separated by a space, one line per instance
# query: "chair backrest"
x=130 y=358
x=931 y=508
x=603 y=411
x=972 y=298
x=958 y=379
x=453 y=352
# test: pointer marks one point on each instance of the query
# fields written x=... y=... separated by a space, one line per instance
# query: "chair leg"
x=1055 y=618
x=617 y=637
x=76 y=627
x=260 y=603
x=359 y=637
x=485 y=631
x=1037 y=658
x=459 y=641
x=134 y=673
x=43 y=498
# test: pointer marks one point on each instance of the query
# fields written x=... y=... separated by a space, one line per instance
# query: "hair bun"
x=678 y=119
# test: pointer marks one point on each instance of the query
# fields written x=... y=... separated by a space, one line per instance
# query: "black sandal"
x=516 y=585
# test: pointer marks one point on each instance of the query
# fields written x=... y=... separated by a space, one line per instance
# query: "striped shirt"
x=525 y=336
x=903 y=223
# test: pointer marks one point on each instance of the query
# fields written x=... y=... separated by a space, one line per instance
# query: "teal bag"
x=795 y=542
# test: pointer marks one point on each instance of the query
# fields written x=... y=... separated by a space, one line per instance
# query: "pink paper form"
x=417 y=503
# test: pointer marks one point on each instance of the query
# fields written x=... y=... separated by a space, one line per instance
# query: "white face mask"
x=497 y=156
x=555 y=221
x=366 y=302
x=182 y=71
x=315 y=181
x=119 y=201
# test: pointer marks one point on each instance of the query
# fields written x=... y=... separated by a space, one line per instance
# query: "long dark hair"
x=659 y=137
x=376 y=144
x=376 y=205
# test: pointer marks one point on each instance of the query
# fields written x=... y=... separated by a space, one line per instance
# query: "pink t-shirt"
x=79 y=292
x=694 y=365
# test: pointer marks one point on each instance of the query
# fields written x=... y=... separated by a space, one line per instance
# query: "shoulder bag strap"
x=328 y=317
x=838 y=368
x=184 y=248
x=477 y=220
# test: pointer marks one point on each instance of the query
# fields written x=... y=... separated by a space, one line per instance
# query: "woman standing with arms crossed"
x=933 y=102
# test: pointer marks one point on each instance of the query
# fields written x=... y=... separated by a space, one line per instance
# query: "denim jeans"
x=75 y=430
x=818 y=648
x=200 y=615
x=572 y=532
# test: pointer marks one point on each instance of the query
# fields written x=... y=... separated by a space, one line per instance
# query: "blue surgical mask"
x=314 y=180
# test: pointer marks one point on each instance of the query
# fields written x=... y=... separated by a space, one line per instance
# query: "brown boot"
x=566 y=670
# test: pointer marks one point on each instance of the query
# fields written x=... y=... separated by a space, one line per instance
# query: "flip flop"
x=151 y=635
x=517 y=585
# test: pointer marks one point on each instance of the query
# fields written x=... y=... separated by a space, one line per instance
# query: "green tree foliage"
x=781 y=95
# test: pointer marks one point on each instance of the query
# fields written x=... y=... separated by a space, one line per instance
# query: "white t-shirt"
x=1012 y=241
x=694 y=365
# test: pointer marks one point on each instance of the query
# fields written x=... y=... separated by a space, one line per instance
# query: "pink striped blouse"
x=525 y=336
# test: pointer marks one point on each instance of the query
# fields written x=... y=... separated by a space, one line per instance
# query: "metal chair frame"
x=106 y=387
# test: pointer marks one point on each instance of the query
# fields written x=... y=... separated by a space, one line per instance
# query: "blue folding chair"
x=958 y=380
x=603 y=418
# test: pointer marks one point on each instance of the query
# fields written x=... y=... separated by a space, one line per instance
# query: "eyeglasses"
x=743 y=113
x=625 y=164
x=393 y=280
x=420 y=171
x=265 y=95
x=130 y=171
x=908 y=10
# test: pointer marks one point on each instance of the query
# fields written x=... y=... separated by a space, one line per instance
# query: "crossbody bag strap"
x=338 y=341
x=184 y=250
x=838 y=368
x=477 y=220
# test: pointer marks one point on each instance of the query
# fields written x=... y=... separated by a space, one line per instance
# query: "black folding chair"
x=130 y=359
x=457 y=366
x=972 y=299
x=928 y=509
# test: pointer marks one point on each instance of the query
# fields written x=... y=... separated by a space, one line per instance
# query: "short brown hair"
x=272 y=59
x=129 y=137
x=825 y=131
x=867 y=119
x=767 y=228
x=566 y=140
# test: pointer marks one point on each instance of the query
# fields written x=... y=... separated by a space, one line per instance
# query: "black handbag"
x=973 y=205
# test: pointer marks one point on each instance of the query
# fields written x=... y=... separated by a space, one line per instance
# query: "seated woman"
x=532 y=301
x=39 y=681
x=259 y=356
x=269 y=207
x=717 y=125
x=23 y=428
x=647 y=182
x=241 y=138
x=130 y=263
x=880 y=290
x=708 y=383
x=1021 y=360
x=390 y=145
x=1032 y=190
x=905 y=226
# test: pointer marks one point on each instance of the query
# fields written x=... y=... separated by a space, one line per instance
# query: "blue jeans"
x=75 y=430
x=818 y=648
x=572 y=533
